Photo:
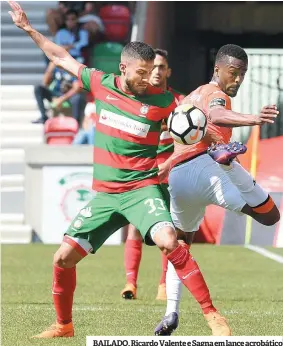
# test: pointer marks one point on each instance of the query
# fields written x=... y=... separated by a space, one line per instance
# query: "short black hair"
x=138 y=50
x=231 y=50
x=161 y=52
x=70 y=12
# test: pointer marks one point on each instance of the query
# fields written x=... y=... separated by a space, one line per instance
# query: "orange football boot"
x=129 y=292
x=217 y=324
x=57 y=330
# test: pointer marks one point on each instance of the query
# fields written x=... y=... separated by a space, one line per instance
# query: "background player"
x=125 y=170
x=196 y=180
x=133 y=246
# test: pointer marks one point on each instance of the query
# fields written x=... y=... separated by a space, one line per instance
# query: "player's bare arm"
x=226 y=118
x=164 y=169
x=58 y=55
x=221 y=116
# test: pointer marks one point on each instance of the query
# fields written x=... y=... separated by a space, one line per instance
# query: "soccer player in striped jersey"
x=133 y=246
x=130 y=113
x=227 y=185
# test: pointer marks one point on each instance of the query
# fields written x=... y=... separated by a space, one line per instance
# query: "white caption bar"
x=184 y=341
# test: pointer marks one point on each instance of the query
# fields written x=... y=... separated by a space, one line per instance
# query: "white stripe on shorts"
x=83 y=243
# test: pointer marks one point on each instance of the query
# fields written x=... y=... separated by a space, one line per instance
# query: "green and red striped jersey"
x=166 y=143
x=127 y=132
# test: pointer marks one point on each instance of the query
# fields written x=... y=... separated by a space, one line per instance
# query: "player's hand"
x=57 y=102
x=267 y=115
x=164 y=126
x=19 y=16
x=163 y=171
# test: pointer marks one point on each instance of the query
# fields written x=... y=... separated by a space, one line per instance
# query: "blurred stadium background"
x=45 y=179
x=34 y=164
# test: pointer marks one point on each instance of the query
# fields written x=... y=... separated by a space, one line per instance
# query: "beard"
x=134 y=90
x=233 y=92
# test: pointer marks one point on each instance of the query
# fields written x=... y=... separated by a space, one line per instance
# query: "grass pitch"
x=245 y=286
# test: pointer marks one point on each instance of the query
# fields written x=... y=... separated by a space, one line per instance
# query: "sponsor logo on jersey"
x=123 y=123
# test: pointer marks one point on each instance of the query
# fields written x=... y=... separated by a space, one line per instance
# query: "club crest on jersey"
x=144 y=109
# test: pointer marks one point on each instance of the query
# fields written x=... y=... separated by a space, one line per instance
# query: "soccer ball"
x=187 y=124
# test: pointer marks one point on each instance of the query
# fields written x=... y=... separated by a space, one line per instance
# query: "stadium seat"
x=60 y=130
x=106 y=57
x=116 y=19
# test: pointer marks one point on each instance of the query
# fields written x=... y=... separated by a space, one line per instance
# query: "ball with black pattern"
x=187 y=124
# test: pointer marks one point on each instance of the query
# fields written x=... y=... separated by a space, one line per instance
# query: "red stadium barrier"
x=116 y=19
x=60 y=130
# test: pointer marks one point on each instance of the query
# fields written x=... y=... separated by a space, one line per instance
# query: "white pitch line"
x=265 y=253
x=141 y=310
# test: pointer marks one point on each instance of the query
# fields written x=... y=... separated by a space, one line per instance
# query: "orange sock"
x=164 y=269
x=189 y=273
x=264 y=207
x=64 y=284
x=132 y=259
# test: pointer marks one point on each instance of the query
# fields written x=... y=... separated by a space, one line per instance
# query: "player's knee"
x=37 y=89
x=64 y=259
x=170 y=241
x=164 y=236
x=57 y=260
x=170 y=246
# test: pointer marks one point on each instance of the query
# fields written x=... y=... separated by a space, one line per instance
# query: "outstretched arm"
x=227 y=118
x=58 y=55
x=220 y=113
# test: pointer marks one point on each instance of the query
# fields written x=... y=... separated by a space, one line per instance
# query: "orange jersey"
x=205 y=98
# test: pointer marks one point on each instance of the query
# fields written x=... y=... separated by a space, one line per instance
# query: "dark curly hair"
x=233 y=51
x=138 y=50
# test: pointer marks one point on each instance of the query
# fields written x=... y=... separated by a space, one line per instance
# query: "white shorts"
x=197 y=184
